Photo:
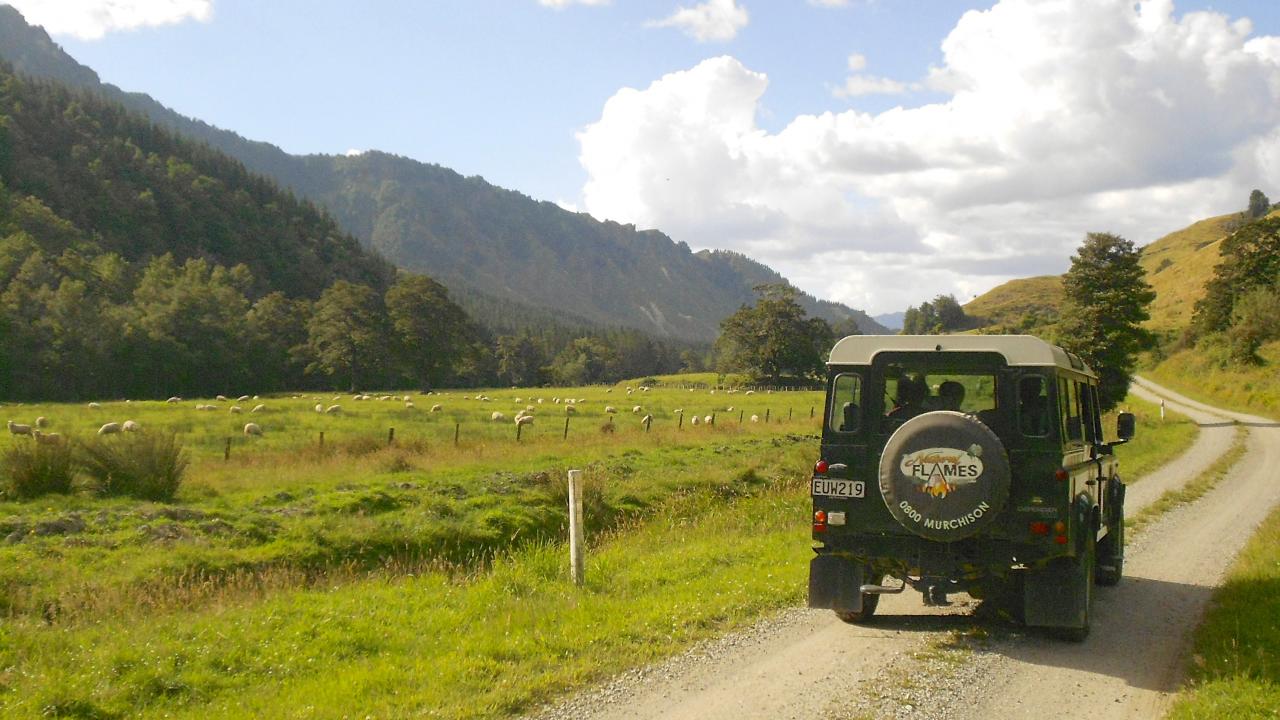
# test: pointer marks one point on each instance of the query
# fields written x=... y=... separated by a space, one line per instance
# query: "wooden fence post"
x=321 y=438
x=766 y=415
x=519 y=427
x=577 y=561
x=713 y=419
x=648 y=420
x=740 y=412
x=391 y=436
x=680 y=424
x=810 y=412
x=226 y=452
x=566 y=428
x=788 y=414
x=457 y=427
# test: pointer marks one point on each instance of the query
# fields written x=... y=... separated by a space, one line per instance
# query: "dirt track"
x=804 y=663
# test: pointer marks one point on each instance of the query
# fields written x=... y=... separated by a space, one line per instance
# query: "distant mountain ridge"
x=479 y=239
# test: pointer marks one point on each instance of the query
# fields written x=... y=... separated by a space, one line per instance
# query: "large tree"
x=347 y=333
x=773 y=338
x=1259 y=204
x=1250 y=262
x=1106 y=301
x=430 y=329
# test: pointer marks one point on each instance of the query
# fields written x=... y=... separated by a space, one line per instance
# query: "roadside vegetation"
x=1157 y=441
x=1235 y=664
x=1253 y=388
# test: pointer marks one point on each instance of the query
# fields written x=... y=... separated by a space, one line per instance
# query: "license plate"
x=839 y=488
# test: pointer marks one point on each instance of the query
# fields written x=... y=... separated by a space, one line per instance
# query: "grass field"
x=1235 y=666
x=417 y=578
x=1253 y=390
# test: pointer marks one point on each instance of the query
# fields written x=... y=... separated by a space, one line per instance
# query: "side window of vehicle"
x=1096 y=417
x=1070 y=399
x=1033 y=406
x=845 y=415
x=1086 y=412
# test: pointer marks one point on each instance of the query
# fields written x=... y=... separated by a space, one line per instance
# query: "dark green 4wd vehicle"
x=965 y=463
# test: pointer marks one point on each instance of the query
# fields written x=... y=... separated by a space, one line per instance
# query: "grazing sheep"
x=646 y=419
x=519 y=400
x=333 y=410
x=610 y=410
x=694 y=420
x=43 y=438
x=242 y=398
x=609 y=390
x=749 y=392
x=755 y=418
x=729 y=409
x=252 y=429
x=539 y=401
x=109 y=428
x=235 y=410
x=498 y=417
x=319 y=408
x=636 y=409
x=220 y=398
x=678 y=411
x=437 y=407
x=255 y=397
x=384 y=397
x=528 y=408
x=570 y=410
x=408 y=403
x=130 y=426
x=259 y=407
x=42 y=422
x=94 y=406
x=707 y=419
x=524 y=420
x=17 y=429
x=174 y=399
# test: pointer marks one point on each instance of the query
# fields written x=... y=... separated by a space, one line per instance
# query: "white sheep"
x=610 y=410
x=636 y=409
x=755 y=418
x=384 y=398
x=694 y=420
x=498 y=417
x=130 y=426
x=408 y=403
x=539 y=401
x=242 y=398
x=255 y=397
x=528 y=408
x=95 y=406
x=220 y=398
x=570 y=410
x=524 y=420
x=609 y=390
x=19 y=429
x=729 y=409
x=174 y=399
x=235 y=410
x=44 y=438
x=646 y=419
x=708 y=419
x=749 y=392
x=259 y=407
x=333 y=410
x=252 y=429
x=437 y=407
x=109 y=428
x=319 y=408
x=42 y=422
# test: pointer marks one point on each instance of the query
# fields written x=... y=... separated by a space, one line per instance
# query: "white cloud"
x=561 y=4
x=91 y=19
x=859 y=83
x=712 y=21
x=1061 y=118
x=830 y=3
x=354 y=152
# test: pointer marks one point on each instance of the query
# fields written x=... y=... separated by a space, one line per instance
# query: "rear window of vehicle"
x=911 y=391
x=845 y=415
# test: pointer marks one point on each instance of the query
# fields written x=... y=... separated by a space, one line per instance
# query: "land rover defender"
x=972 y=463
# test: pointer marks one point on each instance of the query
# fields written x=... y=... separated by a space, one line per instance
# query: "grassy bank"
x=1235 y=667
x=1254 y=390
x=1156 y=442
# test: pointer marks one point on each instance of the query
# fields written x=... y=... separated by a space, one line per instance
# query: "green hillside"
x=480 y=240
x=1010 y=304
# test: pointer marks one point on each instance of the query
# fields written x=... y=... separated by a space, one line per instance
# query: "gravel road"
x=927 y=662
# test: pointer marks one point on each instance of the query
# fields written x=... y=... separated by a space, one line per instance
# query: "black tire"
x=944 y=476
x=1111 y=555
x=1083 y=568
x=869 y=603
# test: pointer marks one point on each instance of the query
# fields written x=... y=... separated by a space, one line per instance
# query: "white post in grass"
x=1161 y=409
x=576 y=549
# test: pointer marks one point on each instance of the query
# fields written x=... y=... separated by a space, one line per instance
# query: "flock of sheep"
x=524 y=416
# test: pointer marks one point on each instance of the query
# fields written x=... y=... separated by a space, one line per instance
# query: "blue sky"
x=946 y=163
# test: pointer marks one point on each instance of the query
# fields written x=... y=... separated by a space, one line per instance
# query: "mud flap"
x=1052 y=597
x=835 y=583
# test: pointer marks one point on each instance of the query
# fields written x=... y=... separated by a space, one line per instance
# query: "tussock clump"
x=32 y=469
x=148 y=466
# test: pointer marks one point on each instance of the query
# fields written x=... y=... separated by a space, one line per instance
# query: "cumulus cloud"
x=91 y=19
x=1059 y=118
x=712 y=21
x=859 y=83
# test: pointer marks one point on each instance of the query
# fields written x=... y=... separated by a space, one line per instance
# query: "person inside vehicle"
x=950 y=395
x=1033 y=407
x=911 y=396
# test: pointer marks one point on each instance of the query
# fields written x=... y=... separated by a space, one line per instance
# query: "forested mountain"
x=483 y=242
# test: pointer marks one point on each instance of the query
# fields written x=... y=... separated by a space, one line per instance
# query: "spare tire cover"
x=944 y=475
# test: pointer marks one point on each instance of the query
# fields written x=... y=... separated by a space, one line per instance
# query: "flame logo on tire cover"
x=941 y=471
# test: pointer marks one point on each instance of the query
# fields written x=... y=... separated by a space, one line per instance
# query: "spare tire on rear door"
x=944 y=475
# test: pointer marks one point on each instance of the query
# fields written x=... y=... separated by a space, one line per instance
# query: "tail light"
x=820 y=521
x=1039 y=527
x=1061 y=474
x=821 y=467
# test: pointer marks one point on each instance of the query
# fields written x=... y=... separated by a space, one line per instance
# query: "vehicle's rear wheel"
x=1083 y=569
x=1111 y=554
x=869 y=603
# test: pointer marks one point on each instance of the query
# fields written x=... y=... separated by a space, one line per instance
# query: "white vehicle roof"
x=1018 y=350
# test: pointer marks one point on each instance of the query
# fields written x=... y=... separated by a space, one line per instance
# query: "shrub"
x=31 y=469
x=148 y=466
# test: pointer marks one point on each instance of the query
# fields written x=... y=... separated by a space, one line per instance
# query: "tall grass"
x=143 y=465
x=1249 y=389
x=29 y=469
